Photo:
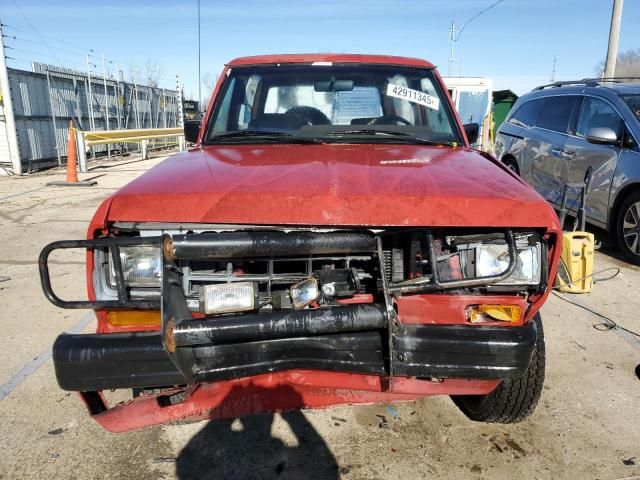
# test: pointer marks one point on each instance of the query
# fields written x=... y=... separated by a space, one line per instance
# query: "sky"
x=513 y=43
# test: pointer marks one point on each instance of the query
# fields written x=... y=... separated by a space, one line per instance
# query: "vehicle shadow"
x=608 y=245
x=249 y=451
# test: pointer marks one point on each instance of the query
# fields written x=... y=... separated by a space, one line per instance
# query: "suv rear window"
x=556 y=113
x=527 y=114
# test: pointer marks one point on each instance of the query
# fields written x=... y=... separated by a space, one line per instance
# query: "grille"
x=274 y=275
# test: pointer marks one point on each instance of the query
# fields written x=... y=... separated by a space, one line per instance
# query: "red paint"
x=275 y=392
x=356 y=299
x=329 y=57
x=337 y=184
x=450 y=309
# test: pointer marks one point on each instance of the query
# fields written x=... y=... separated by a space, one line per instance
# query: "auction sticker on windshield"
x=415 y=96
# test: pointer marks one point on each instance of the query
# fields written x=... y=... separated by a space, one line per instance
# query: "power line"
x=82 y=49
x=32 y=27
x=112 y=59
x=8 y=47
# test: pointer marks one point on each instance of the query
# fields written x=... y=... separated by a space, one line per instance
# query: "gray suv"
x=556 y=132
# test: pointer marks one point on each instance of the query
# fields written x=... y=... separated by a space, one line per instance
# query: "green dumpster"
x=503 y=100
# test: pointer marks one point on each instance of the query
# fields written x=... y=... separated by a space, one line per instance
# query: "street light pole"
x=199 y=77
x=454 y=38
x=614 y=36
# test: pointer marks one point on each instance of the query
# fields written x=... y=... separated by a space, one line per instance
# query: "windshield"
x=331 y=103
x=634 y=104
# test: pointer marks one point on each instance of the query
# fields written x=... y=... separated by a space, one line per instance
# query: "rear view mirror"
x=602 y=136
x=472 y=130
x=333 y=85
x=191 y=130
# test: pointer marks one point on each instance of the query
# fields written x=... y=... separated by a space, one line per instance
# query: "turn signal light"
x=492 y=313
x=134 y=317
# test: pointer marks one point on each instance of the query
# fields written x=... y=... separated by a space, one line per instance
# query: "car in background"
x=556 y=133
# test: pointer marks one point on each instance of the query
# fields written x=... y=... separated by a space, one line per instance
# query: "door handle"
x=569 y=153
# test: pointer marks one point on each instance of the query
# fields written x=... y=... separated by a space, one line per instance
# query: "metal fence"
x=45 y=99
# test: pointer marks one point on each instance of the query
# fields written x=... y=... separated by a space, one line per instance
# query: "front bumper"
x=94 y=362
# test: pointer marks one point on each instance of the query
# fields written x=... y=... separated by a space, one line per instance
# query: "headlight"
x=141 y=266
x=304 y=293
x=228 y=297
x=493 y=259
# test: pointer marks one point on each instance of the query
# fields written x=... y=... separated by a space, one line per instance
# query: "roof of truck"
x=329 y=57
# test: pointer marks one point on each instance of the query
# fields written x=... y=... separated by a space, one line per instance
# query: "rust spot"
x=169 y=340
x=167 y=248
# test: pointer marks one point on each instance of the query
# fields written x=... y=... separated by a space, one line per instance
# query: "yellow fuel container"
x=576 y=263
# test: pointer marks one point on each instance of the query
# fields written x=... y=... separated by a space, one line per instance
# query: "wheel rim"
x=631 y=228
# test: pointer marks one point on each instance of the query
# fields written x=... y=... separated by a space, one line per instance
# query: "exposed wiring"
x=606 y=325
x=595 y=280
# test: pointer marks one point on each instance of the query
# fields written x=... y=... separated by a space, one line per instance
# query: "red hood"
x=377 y=185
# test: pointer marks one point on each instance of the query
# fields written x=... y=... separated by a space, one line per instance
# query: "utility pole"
x=452 y=37
x=106 y=101
x=553 y=69
x=614 y=36
x=90 y=99
x=7 y=107
x=180 y=112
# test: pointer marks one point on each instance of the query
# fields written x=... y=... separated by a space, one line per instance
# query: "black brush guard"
x=364 y=338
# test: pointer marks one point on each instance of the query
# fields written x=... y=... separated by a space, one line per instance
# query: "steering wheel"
x=389 y=120
x=310 y=115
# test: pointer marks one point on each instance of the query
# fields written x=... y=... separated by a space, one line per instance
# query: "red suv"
x=331 y=238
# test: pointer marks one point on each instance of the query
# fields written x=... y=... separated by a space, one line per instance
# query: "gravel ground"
x=587 y=424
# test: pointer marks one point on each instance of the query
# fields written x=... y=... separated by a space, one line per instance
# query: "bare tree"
x=153 y=72
x=209 y=83
x=627 y=64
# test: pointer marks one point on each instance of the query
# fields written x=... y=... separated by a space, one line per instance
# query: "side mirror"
x=602 y=136
x=191 y=130
x=472 y=130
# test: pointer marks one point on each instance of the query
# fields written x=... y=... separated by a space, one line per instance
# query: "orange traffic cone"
x=72 y=168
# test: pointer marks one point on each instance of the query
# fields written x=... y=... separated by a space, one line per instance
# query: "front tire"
x=513 y=400
x=628 y=228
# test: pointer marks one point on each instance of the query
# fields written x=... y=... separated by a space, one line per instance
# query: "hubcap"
x=631 y=228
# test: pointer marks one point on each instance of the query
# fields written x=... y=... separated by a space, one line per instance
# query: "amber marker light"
x=492 y=312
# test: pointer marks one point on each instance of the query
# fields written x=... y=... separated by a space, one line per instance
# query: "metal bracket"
x=113 y=244
x=393 y=322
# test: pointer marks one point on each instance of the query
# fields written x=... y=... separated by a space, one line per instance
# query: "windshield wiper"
x=391 y=133
x=278 y=137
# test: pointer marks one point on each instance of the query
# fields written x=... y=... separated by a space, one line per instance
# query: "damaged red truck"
x=330 y=239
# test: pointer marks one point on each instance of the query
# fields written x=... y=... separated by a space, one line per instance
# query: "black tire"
x=513 y=400
x=511 y=164
x=628 y=228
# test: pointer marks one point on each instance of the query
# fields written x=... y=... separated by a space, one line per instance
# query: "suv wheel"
x=513 y=400
x=628 y=228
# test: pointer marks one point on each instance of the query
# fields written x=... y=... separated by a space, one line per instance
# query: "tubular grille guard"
x=249 y=244
x=113 y=244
